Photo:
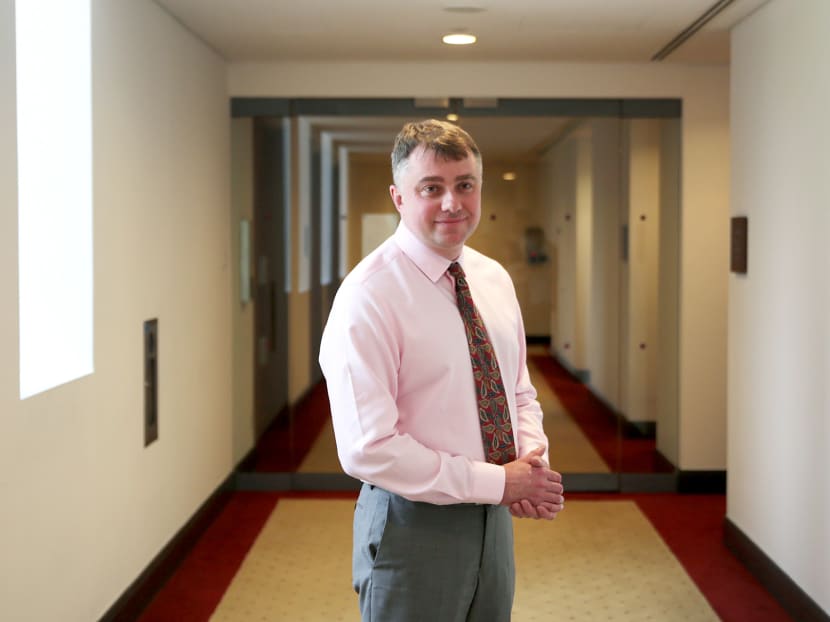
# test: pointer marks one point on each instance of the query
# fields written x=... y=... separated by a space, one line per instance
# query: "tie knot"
x=456 y=271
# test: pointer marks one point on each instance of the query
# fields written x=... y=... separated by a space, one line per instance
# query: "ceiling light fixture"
x=509 y=176
x=464 y=9
x=452 y=117
x=459 y=38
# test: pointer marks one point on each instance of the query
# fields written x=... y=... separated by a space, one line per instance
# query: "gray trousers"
x=419 y=562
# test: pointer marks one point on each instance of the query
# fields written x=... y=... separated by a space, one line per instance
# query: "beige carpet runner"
x=598 y=561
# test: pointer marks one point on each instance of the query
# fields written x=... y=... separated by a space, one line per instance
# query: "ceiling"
x=507 y=30
x=411 y=30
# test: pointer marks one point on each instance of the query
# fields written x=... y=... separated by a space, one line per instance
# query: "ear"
x=397 y=197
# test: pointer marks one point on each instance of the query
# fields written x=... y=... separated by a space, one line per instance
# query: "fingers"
x=524 y=509
x=530 y=478
x=534 y=457
x=547 y=510
x=517 y=510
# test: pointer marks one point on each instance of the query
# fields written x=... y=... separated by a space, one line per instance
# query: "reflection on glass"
x=584 y=214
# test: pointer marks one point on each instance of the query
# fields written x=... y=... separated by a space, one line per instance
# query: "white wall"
x=85 y=506
x=705 y=193
x=779 y=319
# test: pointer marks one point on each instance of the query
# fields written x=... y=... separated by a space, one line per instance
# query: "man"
x=432 y=406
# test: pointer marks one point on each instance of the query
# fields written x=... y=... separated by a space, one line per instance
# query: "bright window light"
x=54 y=163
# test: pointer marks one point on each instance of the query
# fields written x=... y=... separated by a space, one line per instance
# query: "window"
x=54 y=160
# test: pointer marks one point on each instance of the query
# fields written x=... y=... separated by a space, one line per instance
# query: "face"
x=439 y=200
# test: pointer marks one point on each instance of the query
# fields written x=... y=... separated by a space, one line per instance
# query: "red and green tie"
x=493 y=413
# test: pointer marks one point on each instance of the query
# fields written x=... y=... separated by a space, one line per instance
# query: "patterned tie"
x=493 y=414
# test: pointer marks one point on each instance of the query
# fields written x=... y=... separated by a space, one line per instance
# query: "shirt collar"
x=427 y=260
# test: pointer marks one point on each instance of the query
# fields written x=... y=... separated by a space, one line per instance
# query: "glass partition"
x=580 y=204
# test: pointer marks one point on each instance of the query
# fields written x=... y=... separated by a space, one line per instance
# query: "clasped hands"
x=531 y=488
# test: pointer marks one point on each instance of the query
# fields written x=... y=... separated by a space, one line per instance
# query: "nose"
x=449 y=202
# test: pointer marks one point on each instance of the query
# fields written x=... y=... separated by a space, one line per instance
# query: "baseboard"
x=639 y=429
x=295 y=481
x=797 y=602
x=537 y=340
x=701 y=482
x=648 y=482
x=248 y=462
x=582 y=375
x=141 y=592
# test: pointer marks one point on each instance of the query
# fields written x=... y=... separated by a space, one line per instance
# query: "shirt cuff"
x=488 y=483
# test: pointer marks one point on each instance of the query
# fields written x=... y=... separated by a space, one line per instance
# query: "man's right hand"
x=531 y=488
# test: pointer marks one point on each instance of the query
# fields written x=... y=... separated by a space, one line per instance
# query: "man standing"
x=425 y=362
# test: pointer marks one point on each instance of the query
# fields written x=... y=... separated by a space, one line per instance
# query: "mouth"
x=450 y=221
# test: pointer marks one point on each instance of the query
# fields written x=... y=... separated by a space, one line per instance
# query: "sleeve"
x=530 y=433
x=360 y=359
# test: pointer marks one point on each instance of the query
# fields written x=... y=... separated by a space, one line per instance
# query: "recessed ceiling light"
x=459 y=38
x=509 y=176
x=452 y=117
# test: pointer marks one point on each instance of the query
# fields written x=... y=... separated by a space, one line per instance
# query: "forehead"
x=423 y=162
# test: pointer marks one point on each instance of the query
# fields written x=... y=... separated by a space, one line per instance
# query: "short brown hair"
x=445 y=139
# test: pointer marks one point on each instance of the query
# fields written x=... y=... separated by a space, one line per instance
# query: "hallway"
x=613 y=557
x=151 y=300
x=286 y=557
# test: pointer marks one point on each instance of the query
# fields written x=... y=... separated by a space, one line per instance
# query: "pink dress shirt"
x=399 y=377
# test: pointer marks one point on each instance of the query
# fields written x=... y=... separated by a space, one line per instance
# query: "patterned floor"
x=599 y=560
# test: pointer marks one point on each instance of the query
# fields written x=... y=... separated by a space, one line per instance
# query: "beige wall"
x=604 y=321
x=606 y=308
x=704 y=90
x=85 y=505
x=508 y=208
x=668 y=287
x=640 y=273
x=369 y=179
x=566 y=192
x=779 y=318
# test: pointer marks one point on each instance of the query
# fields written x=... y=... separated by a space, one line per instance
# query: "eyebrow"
x=439 y=178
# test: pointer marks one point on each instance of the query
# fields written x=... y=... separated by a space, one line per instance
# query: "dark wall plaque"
x=739 y=259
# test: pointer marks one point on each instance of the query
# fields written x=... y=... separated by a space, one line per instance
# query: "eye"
x=466 y=186
x=430 y=189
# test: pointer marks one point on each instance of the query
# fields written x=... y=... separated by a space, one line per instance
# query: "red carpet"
x=197 y=586
x=691 y=525
x=600 y=424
